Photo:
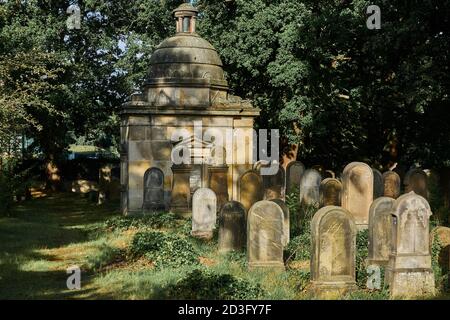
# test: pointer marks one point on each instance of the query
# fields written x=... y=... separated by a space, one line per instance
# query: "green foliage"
x=164 y=249
x=105 y=256
x=206 y=285
x=440 y=274
x=155 y=220
x=292 y=202
x=362 y=252
x=299 y=248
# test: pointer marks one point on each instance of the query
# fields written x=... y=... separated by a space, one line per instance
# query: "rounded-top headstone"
x=391 y=184
x=309 y=187
x=232 y=227
x=294 y=172
x=330 y=192
x=204 y=213
x=265 y=235
x=250 y=188
x=380 y=235
x=378 y=189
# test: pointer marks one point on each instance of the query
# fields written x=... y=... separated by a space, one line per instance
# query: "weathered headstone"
x=391 y=183
x=416 y=180
x=294 y=172
x=310 y=188
x=274 y=185
x=153 y=189
x=333 y=235
x=250 y=189
x=378 y=188
x=380 y=234
x=181 y=190
x=232 y=227
x=265 y=236
x=286 y=223
x=330 y=192
x=409 y=272
x=218 y=182
x=204 y=213
x=357 y=192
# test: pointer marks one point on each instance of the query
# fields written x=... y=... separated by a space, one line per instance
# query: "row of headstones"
x=398 y=240
x=358 y=187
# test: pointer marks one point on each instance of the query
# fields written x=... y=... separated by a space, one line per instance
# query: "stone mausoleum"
x=184 y=109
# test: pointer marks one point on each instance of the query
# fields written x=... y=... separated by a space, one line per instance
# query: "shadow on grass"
x=46 y=223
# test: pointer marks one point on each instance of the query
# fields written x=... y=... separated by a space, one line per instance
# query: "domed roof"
x=186 y=55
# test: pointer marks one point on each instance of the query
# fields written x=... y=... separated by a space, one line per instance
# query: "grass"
x=45 y=236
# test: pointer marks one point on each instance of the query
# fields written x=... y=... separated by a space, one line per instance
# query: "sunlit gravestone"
x=309 y=188
x=265 y=236
x=286 y=223
x=391 y=184
x=330 y=192
x=357 y=192
x=409 y=272
x=232 y=227
x=250 y=189
x=333 y=252
x=204 y=213
x=380 y=233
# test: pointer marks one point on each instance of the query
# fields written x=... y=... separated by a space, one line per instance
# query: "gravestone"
x=232 y=227
x=416 y=180
x=378 y=188
x=153 y=189
x=181 y=190
x=274 y=185
x=250 y=189
x=286 y=223
x=265 y=236
x=310 y=188
x=391 y=183
x=380 y=234
x=357 y=192
x=330 y=192
x=204 y=213
x=333 y=236
x=294 y=172
x=409 y=272
x=218 y=182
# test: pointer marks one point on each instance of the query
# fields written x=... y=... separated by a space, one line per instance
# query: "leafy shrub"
x=301 y=278
x=164 y=250
x=292 y=202
x=299 y=248
x=155 y=220
x=441 y=275
x=106 y=256
x=6 y=195
x=362 y=252
x=205 y=285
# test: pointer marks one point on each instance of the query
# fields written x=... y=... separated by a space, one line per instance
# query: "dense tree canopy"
x=337 y=90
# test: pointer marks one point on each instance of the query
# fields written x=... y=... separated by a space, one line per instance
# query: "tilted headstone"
x=409 y=272
x=274 y=185
x=333 y=236
x=380 y=234
x=357 y=192
x=154 y=189
x=265 y=236
x=330 y=192
x=286 y=223
x=204 y=213
x=378 y=188
x=310 y=188
x=250 y=189
x=416 y=180
x=294 y=172
x=391 y=184
x=232 y=227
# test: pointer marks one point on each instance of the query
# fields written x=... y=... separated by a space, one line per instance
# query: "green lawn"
x=45 y=236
